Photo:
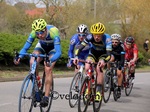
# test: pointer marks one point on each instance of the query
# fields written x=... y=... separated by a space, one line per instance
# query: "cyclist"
x=131 y=54
x=99 y=52
x=118 y=54
x=49 y=42
x=75 y=41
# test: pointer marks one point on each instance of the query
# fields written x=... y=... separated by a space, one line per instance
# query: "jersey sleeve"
x=71 y=47
x=106 y=57
x=28 y=44
x=108 y=43
x=135 y=49
x=54 y=32
x=80 y=47
x=122 y=56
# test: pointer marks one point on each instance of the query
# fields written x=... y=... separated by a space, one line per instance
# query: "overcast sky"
x=40 y=4
x=12 y=2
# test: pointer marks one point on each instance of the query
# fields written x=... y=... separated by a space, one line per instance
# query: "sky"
x=13 y=2
x=40 y=4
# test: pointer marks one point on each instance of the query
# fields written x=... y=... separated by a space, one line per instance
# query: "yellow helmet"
x=97 y=28
x=38 y=24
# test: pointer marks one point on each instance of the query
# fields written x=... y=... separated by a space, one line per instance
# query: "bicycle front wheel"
x=107 y=86
x=47 y=109
x=74 y=89
x=84 y=96
x=97 y=104
x=26 y=98
x=129 y=85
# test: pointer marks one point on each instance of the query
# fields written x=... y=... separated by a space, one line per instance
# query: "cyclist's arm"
x=122 y=53
x=71 y=47
x=81 y=46
x=28 y=43
x=71 y=50
x=135 y=53
x=108 y=48
x=55 y=35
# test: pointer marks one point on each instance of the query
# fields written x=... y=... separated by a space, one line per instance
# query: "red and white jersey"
x=130 y=52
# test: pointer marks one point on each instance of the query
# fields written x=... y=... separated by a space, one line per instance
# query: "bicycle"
x=30 y=93
x=88 y=86
x=127 y=80
x=111 y=82
x=75 y=86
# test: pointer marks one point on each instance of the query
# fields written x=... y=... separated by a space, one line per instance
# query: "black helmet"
x=130 y=40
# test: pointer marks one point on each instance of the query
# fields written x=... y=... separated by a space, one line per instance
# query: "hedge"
x=9 y=43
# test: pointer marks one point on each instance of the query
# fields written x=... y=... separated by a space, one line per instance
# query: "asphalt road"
x=138 y=101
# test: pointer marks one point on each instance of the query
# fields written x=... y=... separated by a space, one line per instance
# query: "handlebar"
x=46 y=56
x=91 y=63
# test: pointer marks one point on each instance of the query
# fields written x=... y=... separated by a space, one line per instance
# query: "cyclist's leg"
x=120 y=78
x=90 y=59
x=132 y=71
x=111 y=60
x=79 y=64
x=87 y=67
x=108 y=67
x=37 y=50
x=48 y=81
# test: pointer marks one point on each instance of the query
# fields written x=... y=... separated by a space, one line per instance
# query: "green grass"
x=13 y=73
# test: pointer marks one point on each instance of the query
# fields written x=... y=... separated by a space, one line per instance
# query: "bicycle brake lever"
x=16 y=56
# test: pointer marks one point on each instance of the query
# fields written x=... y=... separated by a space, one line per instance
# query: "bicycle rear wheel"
x=74 y=89
x=47 y=109
x=84 y=96
x=107 y=86
x=129 y=85
x=27 y=101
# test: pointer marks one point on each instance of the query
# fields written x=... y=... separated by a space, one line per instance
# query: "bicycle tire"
x=115 y=93
x=47 y=109
x=74 y=89
x=129 y=85
x=82 y=101
x=27 y=86
x=97 y=105
x=107 y=93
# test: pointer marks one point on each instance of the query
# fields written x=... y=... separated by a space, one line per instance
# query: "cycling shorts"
x=45 y=49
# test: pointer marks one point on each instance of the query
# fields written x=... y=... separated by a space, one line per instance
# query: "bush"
x=11 y=42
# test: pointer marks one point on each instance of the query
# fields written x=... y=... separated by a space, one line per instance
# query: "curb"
x=55 y=76
x=21 y=78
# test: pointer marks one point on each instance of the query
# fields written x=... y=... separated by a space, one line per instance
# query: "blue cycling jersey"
x=74 y=44
x=97 y=48
x=105 y=44
x=52 y=41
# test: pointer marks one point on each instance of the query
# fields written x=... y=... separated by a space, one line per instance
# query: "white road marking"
x=4 y=104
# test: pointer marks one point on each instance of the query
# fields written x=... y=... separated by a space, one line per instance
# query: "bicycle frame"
x=30 y=85
x=128 y=72
x=87 y=92
x=33 y=69
x=91 y=78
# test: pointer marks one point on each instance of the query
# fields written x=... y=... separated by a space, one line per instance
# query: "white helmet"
x=116 y=37
x=82 y=28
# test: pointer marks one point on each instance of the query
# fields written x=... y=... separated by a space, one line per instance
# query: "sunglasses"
x=128 y=43
x=114 y=42
x=40 y=32
x=82 y=35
